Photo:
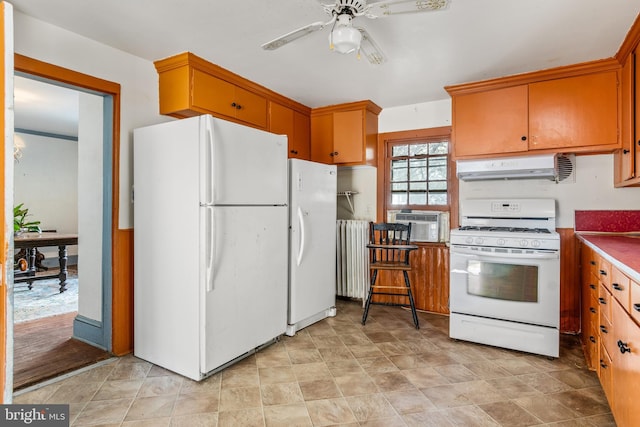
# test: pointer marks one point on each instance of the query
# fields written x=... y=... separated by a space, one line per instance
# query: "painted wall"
x=45 y=179
x=137 y=77
x=593 y=189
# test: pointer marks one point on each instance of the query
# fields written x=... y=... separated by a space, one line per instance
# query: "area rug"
x=44 y=299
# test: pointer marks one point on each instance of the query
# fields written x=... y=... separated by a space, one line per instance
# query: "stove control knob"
x=469 y=240
x=500 y=242
x=524 y=243
x=479 y=240
x=535 y=243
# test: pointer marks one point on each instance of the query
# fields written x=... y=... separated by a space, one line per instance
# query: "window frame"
x=385 y=142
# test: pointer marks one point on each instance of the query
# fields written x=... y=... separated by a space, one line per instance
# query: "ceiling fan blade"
x=295 y=35
x=399 y=7
x=370 y=49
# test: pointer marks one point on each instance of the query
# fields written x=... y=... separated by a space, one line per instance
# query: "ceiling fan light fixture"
x=344 y=38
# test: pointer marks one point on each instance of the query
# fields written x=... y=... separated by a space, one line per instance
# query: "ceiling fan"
x=344 y=37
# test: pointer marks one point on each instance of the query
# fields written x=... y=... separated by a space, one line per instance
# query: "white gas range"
x=505 y=275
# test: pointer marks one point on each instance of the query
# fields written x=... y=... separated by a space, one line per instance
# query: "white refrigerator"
x=210 y=243
x=312 y=243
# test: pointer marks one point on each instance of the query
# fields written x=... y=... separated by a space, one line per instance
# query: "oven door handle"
x=510 y=255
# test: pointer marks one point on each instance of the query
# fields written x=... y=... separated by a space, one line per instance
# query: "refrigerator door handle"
x=301 y=248
x=209 y=183
x=211 y=248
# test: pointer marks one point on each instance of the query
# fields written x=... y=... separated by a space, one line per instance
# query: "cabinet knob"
x=593 y=310
x=602 y=301
x=603 y=365
x=625 y=151
x=617 y=287
x=602 y=272
x=236 y=106
x=592 y=286
x=636 y=307
x=592 y=339
x=524 y=138
x=233 y=104
x=624 y=348
x=603 y=329
x=592 y=262
x=294 y=152
x=335 y=153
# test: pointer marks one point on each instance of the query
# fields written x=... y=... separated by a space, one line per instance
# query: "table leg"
x=62 y=259
x=31 y=253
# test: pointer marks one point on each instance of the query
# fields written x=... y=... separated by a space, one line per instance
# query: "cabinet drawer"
x=634 y=303
x=604 y=301
x=607 y=335
x=605 y=372
x=604 y=272
x=620 y=287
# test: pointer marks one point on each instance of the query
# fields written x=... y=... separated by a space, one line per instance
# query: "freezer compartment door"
x=245 y=302
x=312 y=259
x=249 y=165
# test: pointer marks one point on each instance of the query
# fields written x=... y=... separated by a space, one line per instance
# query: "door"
x=245 y=295
x=312 y=239
x=6 y=201
x=249 y=165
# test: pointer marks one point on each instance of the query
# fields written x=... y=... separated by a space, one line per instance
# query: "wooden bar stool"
x=389 y=249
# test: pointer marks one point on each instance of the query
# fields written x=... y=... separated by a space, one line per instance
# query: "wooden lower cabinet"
x=625 y=360
x=429 y=279
x=611 y=333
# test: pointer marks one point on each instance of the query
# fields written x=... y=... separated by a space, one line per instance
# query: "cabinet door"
x=250 y=108
x=281 y=122
x=322 y=138
x=624 y=159
x=577 y=111
x=348 y=136
x=626 y=374
x=212 y=94
x=492 y=122
x=301 y=136
x=636 y=56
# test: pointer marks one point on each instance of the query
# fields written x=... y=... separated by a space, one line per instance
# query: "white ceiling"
x=471 y=40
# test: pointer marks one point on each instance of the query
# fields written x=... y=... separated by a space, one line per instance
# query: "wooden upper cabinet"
x=345 y=134
x=190 y=86
x=286 y=121
x=490 y=122
x=624 y=159
x=570 y=109
x=572 y=112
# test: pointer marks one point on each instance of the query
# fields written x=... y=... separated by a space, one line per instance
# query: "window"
x=418 y=173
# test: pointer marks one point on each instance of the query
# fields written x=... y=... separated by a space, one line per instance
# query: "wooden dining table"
x=30 y=242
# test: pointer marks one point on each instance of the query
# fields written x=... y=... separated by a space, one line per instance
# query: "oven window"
x=509 y=282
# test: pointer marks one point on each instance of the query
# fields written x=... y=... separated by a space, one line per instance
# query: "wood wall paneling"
x=570 y=288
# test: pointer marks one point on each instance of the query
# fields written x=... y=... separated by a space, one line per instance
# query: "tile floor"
x=338 y=372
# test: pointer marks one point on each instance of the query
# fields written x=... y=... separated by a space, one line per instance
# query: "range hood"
x=543 y=166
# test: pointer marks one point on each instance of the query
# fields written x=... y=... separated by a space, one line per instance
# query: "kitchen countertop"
x=622 y=250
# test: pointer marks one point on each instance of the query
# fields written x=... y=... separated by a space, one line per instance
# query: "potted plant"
x=20 y=223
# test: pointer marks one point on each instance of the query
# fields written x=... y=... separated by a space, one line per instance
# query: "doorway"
x=62 y=172
x=121 y=270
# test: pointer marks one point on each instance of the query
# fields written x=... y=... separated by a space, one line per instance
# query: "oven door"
x=513 y=284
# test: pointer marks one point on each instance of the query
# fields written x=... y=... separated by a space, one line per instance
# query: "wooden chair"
x=389 y=249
